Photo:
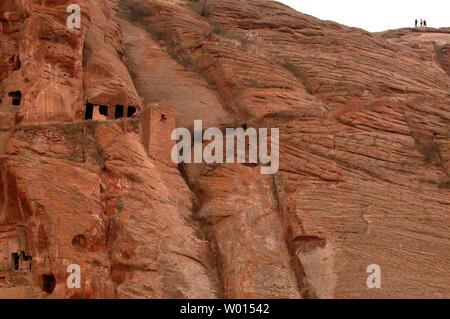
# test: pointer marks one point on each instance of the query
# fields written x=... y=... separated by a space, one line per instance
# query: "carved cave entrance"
x=89 y=112
x=131 y=110
x=118 y=112
x=48 y=283
x=15 y=258
x=16 y=97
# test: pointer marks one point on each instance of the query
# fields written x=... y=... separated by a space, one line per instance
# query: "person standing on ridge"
x=421 y=22
x=424 y=23
x=415 y=22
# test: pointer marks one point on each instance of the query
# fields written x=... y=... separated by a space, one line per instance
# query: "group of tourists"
x=423 y=23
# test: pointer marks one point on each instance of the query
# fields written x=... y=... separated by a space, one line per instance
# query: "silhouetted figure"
x=424 y=23
x=421 y=22
x=415 y=22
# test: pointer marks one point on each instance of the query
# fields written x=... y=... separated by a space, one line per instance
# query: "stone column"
x=157 y=127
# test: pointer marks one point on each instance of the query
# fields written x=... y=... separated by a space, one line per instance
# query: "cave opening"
x=48 y=283
x=103 y=110
x=163 y=118
x=25 y=257
x=16 y=97
x=119 y=111
x=15 y=258
x=89 y=111
x=131 y=111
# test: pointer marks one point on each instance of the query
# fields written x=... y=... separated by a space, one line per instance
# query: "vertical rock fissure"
x=207 y=234
x=298 y=268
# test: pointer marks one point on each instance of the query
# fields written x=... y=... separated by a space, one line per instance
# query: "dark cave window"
x=163 y=118
x=103 y=110
x=17 y=66
x=48 y=283
x=131 y=110
x=15 y=258
x=89 y=111
x=119 y=111
x=25 y=257
x=244 y=126
x=16 y=97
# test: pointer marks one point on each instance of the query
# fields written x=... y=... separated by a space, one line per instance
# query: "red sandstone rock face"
x=102 y=204
x=48 y=65
x=159 y=78
x=240 y=212
x=364 y=178
x=106 y=78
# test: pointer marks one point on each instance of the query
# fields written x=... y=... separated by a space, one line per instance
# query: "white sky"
x=376 y=15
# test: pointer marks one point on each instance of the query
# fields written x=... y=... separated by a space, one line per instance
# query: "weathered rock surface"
x=106 y=79
x=47 y=66
x=238 y=208
x=158 y=77
x=364 y=173
x=96 y=200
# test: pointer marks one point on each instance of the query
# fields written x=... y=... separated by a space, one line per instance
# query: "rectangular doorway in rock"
x=89 y=111
x=119 y=111
x=25 y=257
x=103 y=110
x=131 y=111
x=16 y=97
x=15 y=258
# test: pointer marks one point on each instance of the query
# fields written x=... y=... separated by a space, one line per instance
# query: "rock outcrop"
x=364 y=175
